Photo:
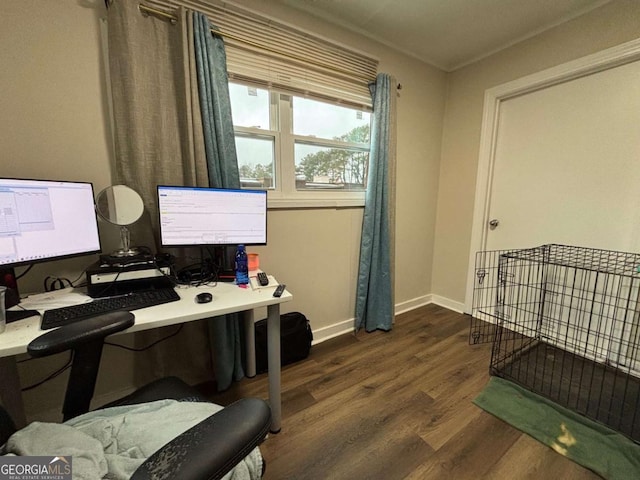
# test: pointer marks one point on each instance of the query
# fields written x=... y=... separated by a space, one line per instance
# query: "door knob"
x=493 y=224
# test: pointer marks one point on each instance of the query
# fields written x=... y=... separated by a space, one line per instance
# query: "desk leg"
x=250 y=343
x=273 y=349
x=10 y=392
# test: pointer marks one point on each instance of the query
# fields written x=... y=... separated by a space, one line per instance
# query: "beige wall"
x=420 y=113
x=612 y=24
x=53 y=124
x=52 y=106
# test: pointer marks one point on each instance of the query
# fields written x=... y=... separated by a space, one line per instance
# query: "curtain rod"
x=144 y=9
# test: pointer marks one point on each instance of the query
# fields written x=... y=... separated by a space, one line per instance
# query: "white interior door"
x=565 y=169
x=559 y=158
x=567 y=165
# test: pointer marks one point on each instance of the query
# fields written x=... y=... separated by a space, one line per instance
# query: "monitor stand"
x=225 y=275
x=12 y=297
x=14 y=315
x=224 y=260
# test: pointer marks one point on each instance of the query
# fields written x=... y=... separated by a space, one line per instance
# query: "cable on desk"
x=56 y=283
x=110 y=285
x=131 y=349
x=196 y=275
x=203 y=271
x=82 y=275
x=18 y=277
x=171 y=276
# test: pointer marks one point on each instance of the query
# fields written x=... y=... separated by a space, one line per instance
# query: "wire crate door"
x=485 y=309
x=508 y=294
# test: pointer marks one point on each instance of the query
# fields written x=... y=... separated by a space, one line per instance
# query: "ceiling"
x=447 y=33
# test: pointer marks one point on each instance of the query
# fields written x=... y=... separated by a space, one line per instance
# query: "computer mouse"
x=204 y=297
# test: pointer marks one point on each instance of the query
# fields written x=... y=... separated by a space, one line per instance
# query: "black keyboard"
x=58 y=317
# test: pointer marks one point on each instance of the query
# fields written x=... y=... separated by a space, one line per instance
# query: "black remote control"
x=263 y=280
x=279 y=289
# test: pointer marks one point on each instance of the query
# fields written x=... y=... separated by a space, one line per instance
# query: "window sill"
x=324 y=201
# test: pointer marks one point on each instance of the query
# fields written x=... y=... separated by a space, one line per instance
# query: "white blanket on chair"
x=113 y=442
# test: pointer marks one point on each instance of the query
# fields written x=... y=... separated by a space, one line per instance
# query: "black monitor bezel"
x=187 y=245
x=57 y=257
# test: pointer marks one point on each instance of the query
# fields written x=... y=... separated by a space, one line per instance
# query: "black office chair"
x=208 y=450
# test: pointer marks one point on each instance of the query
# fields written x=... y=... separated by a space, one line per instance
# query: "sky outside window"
x=324 y=120
x=250 y=106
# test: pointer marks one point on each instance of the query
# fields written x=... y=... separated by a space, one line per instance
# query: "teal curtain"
x=222 y=164
x=215 y=105
x=374 y=293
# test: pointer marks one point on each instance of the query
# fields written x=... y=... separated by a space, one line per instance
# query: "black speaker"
x=8 y=279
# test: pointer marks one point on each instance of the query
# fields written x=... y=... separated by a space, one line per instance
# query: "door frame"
x=606 y=59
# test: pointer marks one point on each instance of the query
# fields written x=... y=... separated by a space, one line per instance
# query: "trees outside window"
x=291 y=145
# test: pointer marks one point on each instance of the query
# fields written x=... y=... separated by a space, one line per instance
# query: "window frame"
x=284 y=194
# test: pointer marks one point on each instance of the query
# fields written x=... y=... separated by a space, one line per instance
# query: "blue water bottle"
x=242 y=267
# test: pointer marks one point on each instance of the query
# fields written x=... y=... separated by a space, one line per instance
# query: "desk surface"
x=227 y=298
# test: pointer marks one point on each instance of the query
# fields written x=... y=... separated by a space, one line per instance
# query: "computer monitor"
x=43 y=220
x=202 y=216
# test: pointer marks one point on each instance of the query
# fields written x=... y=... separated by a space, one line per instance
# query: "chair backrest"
x=86 y=340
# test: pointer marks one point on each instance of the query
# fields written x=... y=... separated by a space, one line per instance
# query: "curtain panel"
x=159 y=138
x=374 y=290
x=215 y=105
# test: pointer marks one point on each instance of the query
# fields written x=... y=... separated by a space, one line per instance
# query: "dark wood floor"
x=397 y=405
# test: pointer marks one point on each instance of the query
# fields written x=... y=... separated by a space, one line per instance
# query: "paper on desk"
x=56 y=299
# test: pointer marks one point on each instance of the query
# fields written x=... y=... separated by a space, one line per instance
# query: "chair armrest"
x=214 y=446
x=79 y=333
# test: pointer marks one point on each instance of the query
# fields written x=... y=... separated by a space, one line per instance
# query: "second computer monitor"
x=44 y=220
x=191 y=216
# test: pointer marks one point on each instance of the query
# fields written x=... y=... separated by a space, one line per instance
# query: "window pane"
x=249 y=106
x=255 y=161
x=330 y=168
x=324 y=120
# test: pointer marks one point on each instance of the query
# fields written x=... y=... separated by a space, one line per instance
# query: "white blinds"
x=267 y=52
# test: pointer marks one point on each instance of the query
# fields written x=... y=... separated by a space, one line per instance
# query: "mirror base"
x=130 y=252
x=132 y=255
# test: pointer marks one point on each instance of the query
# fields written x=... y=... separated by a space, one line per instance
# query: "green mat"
x=590 y=444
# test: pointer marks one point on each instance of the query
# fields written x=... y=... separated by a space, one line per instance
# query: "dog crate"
x=564 y=323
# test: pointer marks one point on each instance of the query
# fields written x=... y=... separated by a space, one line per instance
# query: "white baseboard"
x=412 y=304
x=448 y=303
x=325 y=333
x=346 y=326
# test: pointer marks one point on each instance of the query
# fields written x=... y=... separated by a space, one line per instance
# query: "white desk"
x=227 y=298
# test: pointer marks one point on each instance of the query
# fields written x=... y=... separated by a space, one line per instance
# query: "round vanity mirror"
x=122 y=206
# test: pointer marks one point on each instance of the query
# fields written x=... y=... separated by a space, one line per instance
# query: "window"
x=309 y=152
x=306 y=152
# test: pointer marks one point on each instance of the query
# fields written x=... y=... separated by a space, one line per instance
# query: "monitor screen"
x=211 y=216
x=44 y=220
